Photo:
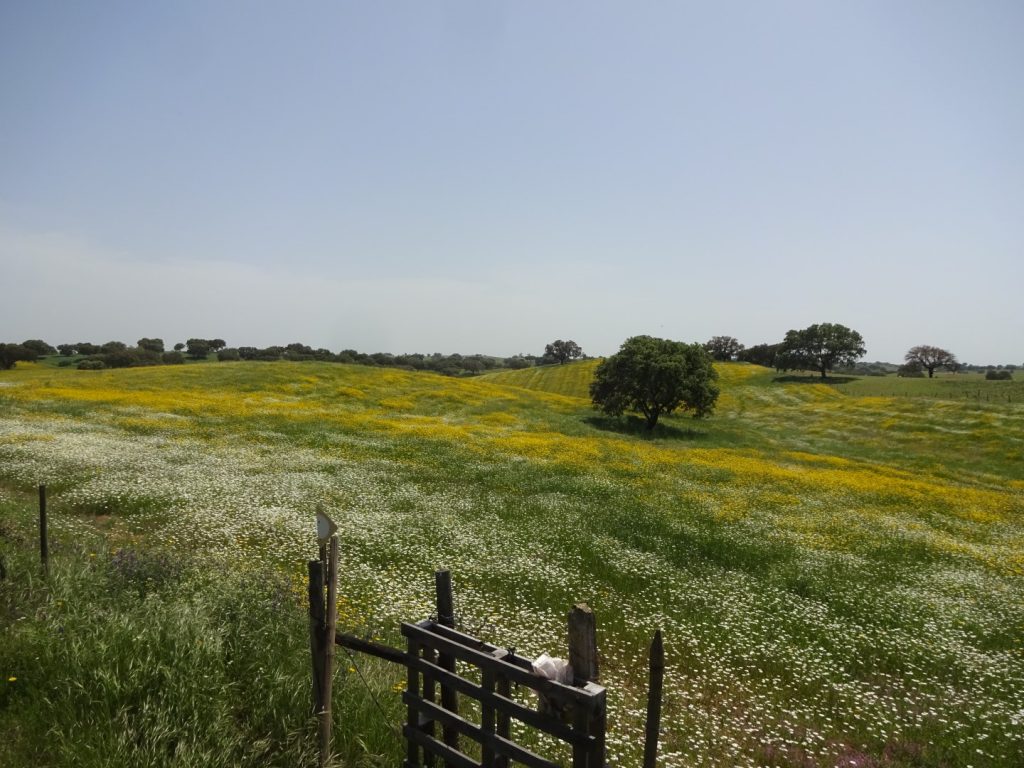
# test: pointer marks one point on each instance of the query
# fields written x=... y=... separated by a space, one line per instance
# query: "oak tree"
x=655 y=376
x=723 y=348
x=930 y=358
x=821 y=347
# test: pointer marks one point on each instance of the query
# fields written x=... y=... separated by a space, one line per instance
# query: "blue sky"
x=482 y=177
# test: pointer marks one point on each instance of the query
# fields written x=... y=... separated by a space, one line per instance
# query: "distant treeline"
x=117 y=354
x=774 y=356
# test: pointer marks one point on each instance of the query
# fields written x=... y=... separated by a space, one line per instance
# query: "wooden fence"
x=443 y=664
x=430 y=642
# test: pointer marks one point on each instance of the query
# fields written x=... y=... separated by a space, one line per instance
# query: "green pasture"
x=969 y=387
x=838 y=569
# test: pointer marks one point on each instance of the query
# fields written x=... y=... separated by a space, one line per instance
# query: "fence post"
x=44 y=546
x=328 y=651
x=446 y=618
x=582 y=644
x=657 y=675
x=316 y=630
x=583 y=660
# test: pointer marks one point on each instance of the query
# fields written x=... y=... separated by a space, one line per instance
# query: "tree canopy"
x=560 y=351
x=10 y=354
x=760 y=354
x=40 y=347
x=723 y=348
x=655 y=376
x=821 y=347
x=151 y=345
x=930 y=358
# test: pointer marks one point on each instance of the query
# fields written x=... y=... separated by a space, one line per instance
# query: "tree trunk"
x=652 y=420
x=931 y=371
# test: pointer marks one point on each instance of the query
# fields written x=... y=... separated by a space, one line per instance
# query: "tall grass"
x=135 y=657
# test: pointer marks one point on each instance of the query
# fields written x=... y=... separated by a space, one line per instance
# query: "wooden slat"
x=373 y=649
x=503 y=689
x=435 y=747
x=583 y=697
x=429 y=693
x=488 y=720
x=412 y=685
x=505 y=705
x=446 y=618
x=479 y=645
x=488 y=740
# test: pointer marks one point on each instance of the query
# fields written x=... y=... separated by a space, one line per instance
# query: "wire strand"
x=373 y=696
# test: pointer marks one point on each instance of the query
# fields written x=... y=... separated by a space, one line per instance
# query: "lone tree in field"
x=930 y=358
x=723 y=348
x=655 y=376
x=822 y=347
x=562 y=351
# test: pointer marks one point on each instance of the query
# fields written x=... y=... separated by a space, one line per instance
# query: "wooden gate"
x=574 y=715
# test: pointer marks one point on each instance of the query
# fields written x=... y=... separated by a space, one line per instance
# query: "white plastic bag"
x=552 y=668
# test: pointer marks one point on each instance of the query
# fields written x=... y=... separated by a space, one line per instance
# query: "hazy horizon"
x=485 y=178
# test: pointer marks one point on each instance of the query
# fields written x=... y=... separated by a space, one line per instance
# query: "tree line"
x=152 y=351
x=827 y=347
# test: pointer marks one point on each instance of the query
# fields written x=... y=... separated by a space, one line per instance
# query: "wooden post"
x=583 y=661
x=582 y=644
x=488 y=720
x=446 y=618
x=328 y=651
x=44 y=546
x=316 y=631
x=657 y=675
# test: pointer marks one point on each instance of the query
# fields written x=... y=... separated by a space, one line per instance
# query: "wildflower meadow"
x=837 y=568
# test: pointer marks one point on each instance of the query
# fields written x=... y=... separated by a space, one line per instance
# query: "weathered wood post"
x=316 y=631
x=44 y=545
x=328 y=650
x=583 y=660
x=322 y=623
x=657 y=676
x=446 y=618
x=582 y=644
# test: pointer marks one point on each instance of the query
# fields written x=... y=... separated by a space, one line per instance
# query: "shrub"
x=92 y=364
x=992 y=375
x=912 y=370
x=172 y=358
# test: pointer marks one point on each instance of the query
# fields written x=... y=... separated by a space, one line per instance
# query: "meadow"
x=838 y=569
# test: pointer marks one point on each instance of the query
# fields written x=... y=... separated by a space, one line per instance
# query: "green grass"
x=969 y=387
x=134 y=656
x=839 y=573
x=571 y=379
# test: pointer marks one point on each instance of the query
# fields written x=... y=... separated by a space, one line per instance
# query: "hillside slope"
x=835 y=576
x=571 y=379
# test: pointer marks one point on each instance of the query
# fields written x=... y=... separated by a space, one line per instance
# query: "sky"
x=488 y=177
